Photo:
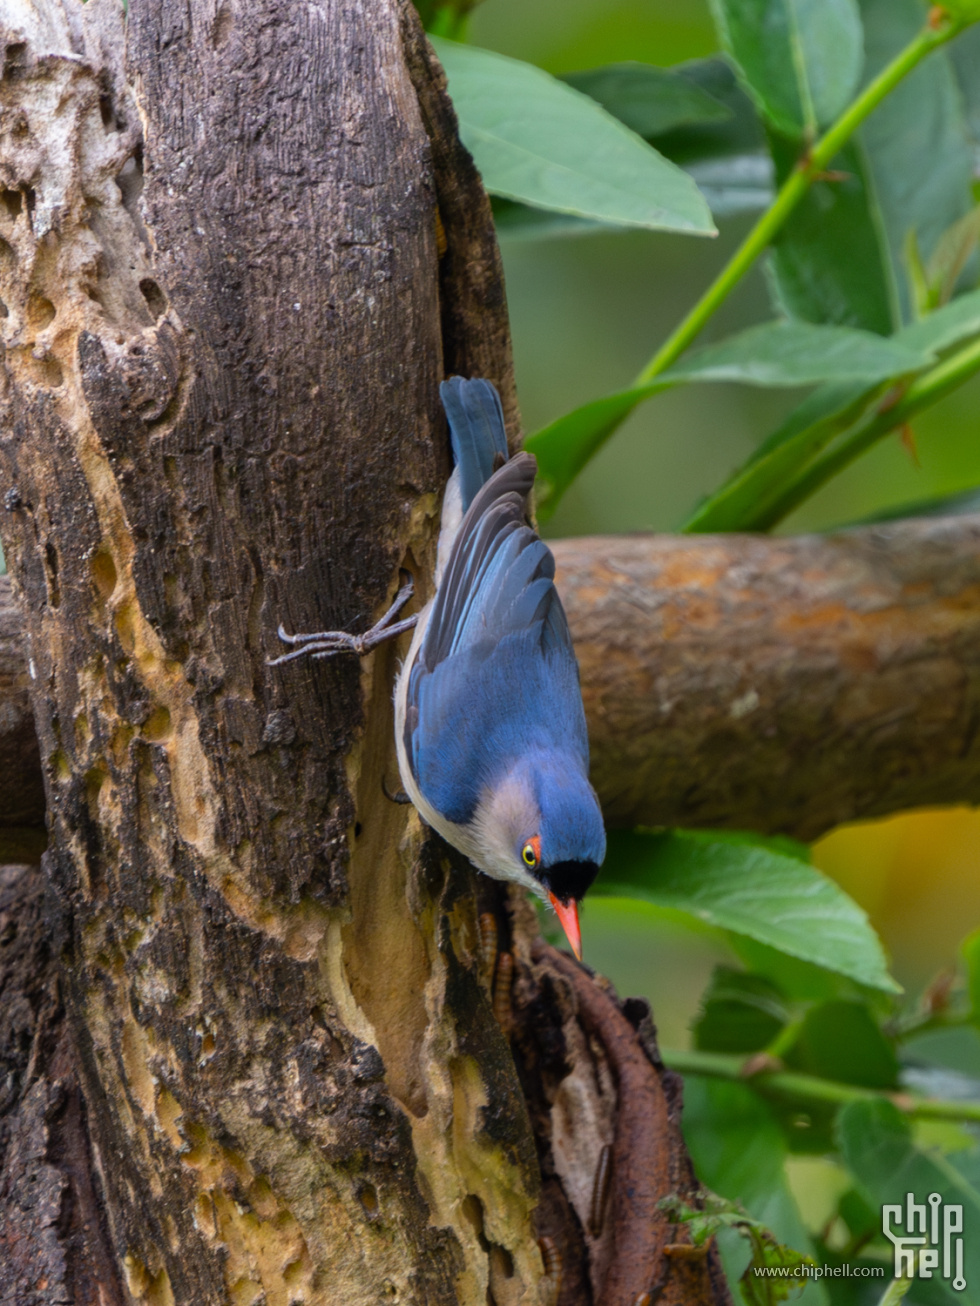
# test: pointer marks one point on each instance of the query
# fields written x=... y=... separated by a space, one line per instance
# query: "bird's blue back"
x=495 y=679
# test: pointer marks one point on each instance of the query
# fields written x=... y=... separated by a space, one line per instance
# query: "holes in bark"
x=40 y=312
x=501 y=1262
x=224 y=21
x=51 y=566
x=94 y=780
x=30 y=198
x=104 y=573
x=13 y=202
x=108 y=115
x=47 y=372
x=130 y=183
x=156 y=300
x=157 y=724
x=357 y=829
x=15 y=56
x=368 y=1197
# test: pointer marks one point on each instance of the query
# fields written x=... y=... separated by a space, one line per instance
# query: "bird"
x=490 y=729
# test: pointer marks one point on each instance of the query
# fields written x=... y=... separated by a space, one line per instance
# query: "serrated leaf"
x=800 y=59
x=749 y=891
x=773 y=354
x=744 y=501
x=648 y=99
x=538 y=141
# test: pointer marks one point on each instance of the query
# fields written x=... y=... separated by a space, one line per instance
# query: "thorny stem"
x=792 y=1084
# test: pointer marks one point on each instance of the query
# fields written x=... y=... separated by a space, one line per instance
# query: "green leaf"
x=954 y=250
x=963 y=503
x=648 y=99
x=515 y=221
x=879 y=1148
x=916 y=142
x=727 y=159
x=830 y=262
x=970 y=951
x=800 y=353
x=841 y=257
x=744 y=501
x=565 y=446
x=841 y=1040
x=749 y=891
x=800 y=59
x=801 y=981
x=739 y=134
x=774 y=354
x=536 y=140
x=739 y=1151
x=740 y=184
x=964 y=55
x=740 y=1012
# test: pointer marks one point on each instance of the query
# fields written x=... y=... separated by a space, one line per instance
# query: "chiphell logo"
x=926 y=1242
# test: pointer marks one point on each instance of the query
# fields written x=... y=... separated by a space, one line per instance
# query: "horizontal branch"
x=811 y=1088
x=781 y=685
x=744 y=681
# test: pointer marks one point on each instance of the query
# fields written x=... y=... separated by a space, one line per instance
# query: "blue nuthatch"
x=490 y=728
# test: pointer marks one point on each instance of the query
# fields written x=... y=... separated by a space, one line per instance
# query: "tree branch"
x=774 y=684
x=779 y=684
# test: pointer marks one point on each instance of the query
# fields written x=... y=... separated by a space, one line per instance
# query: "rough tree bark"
x=226 y=309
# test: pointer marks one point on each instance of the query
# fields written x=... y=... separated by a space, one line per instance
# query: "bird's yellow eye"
x=531 y=852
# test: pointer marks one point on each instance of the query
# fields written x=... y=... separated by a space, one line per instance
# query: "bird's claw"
x=328 y=643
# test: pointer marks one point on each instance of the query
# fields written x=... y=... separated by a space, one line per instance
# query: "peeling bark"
x=226 y=320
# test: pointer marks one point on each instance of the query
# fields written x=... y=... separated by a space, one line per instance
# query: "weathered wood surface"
x=781 y=685
x=225 y=319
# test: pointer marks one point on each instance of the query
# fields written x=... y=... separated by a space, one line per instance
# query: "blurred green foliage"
x=804 y=1060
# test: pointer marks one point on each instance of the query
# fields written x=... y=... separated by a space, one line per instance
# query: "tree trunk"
x=241 y=245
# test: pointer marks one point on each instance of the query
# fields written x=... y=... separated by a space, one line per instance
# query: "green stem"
x=792 y=191
x=789 y=1083
x=922 y=393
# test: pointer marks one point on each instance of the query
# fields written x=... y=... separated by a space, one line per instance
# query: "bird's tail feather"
x=476 y=427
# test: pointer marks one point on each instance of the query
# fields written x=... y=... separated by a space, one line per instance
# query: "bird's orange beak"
x=569 y=923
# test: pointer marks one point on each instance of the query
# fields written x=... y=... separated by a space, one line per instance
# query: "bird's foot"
x=328 y=643
x=399 y=796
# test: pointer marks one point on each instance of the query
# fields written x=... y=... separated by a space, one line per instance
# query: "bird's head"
x=541 y=826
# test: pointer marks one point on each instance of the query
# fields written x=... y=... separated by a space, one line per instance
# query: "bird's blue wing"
x=476 y=428
x=495 y=676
